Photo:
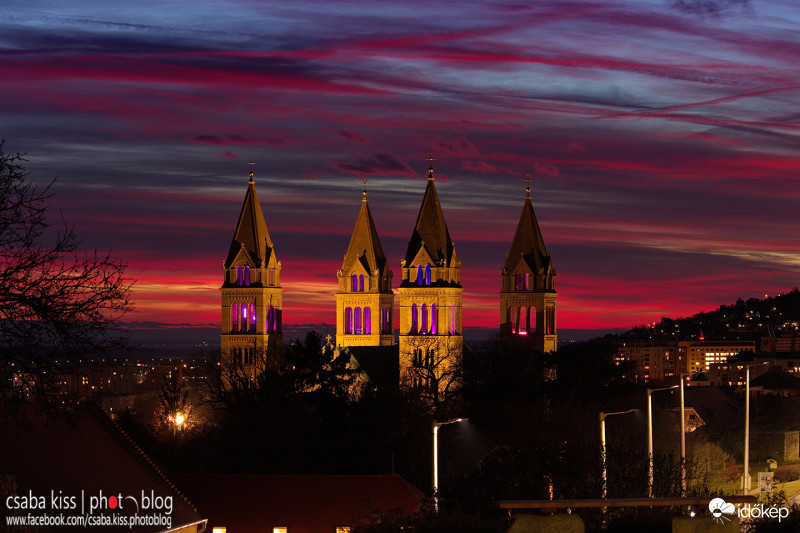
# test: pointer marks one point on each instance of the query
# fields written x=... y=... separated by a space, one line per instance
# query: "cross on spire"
x=251 y=163
x=430 y=160
x=528 y=187
x=364 y=182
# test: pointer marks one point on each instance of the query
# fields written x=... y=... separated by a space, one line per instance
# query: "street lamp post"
x=683 y=440
x=746 y=475
x=650 y=438
x=603 y=417
x=436 y=426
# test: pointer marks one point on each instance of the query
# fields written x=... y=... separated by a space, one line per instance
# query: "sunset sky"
x=661 y=138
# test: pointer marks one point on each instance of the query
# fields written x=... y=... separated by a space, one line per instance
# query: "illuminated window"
x=342 y=529
x=413 y=318
x=525 y=282
x=420 y=278
x=361 y=283
x=424 y=322
x=357 y=320
x=427 y=274
x=252 y=318
x=434 y=318
x=367 y=321
x=348 y=320
x=355 y=283
x=239 y=276
x=234 y=317
x=247 y=276
x=219 y=530
x=280 y=529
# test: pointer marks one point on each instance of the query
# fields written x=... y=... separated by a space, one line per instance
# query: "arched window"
x=423 y=328
x=526 y=286
x=518 y=282
x=361 y=282
x=367 y=321
x=243 y=325
x=239 y=276
x=253 y=318
x=427 y=274
x=348 y=320
x=270 y=318
x=355 y=282
x=452 y=320
x=357 y=320
x=246 y=276
x=434 y=318
x=271 y=280
x=420 y=279
x=413 y=318
x=234 y=317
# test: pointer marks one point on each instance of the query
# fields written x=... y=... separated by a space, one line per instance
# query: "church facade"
x=430 y=341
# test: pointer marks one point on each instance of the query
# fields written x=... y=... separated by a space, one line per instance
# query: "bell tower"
x=430 y=290
x=528 y=296
x=252 y=303
x=364 y=301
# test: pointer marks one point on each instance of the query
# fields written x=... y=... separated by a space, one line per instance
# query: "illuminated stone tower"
x=364 y=301
x=430 y=302
x=528 y=296
x=251 y=292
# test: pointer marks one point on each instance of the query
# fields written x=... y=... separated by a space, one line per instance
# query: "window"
x=518 y=282
x=413 y=318
x=355 y=283
x=357 y=320
x=234 y=317
x=271 y=280
x=243 y=325
x=367 y=321
x=361 y=283
x=239 y=276
x=252 y=318
x=348 y=320
x=424 y=322
x=434 y=318
x=427 y=274
x=419 y=275
x=246 y=276
x=342 y=529
x=219 y=530
x=280 y=529
x=270 y=319
x=525 y=283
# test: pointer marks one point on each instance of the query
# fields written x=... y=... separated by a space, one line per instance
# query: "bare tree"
x=435 y=368
x=57 y=302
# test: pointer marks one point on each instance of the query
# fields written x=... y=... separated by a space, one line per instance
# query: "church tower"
x=430 y=302
x=251 y=292
x=364 y=301
x=528 y=296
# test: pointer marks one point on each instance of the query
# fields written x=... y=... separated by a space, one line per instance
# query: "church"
x=429 y=345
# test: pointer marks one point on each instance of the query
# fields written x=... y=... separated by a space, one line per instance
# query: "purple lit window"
x=234 y=317
x=357 y=320
x=239 y=276
x=355 y=282
x=434 y=318
x=526 y=286
x=420 y=278
x=367 y=320
x=424 y=322
x=427 y=274
x=361 y=282
x=413 y=318
x=247 y=276
x=348 y=320
x=253 y=318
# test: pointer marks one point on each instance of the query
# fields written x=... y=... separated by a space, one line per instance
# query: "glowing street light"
x=746 y=475
x=650 y=438
x=436 y=426
x=603 y=417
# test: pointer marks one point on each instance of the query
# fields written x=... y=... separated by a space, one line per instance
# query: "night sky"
x=661 y=138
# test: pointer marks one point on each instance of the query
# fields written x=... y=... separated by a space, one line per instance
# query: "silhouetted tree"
x=57 y=302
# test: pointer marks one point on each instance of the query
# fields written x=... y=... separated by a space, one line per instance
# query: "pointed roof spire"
x=365 y=246
x=251 y=229
x=528 y=242
x=430 y=230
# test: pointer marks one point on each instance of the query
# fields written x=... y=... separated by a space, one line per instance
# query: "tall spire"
x=528 y=242
x=365 y=246
x=251 y=230
x=430 y=230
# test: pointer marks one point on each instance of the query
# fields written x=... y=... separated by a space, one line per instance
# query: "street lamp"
x=436 y=426
x=650 y=438
x=746 y=476
x=683 y=439
x=603 y=417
